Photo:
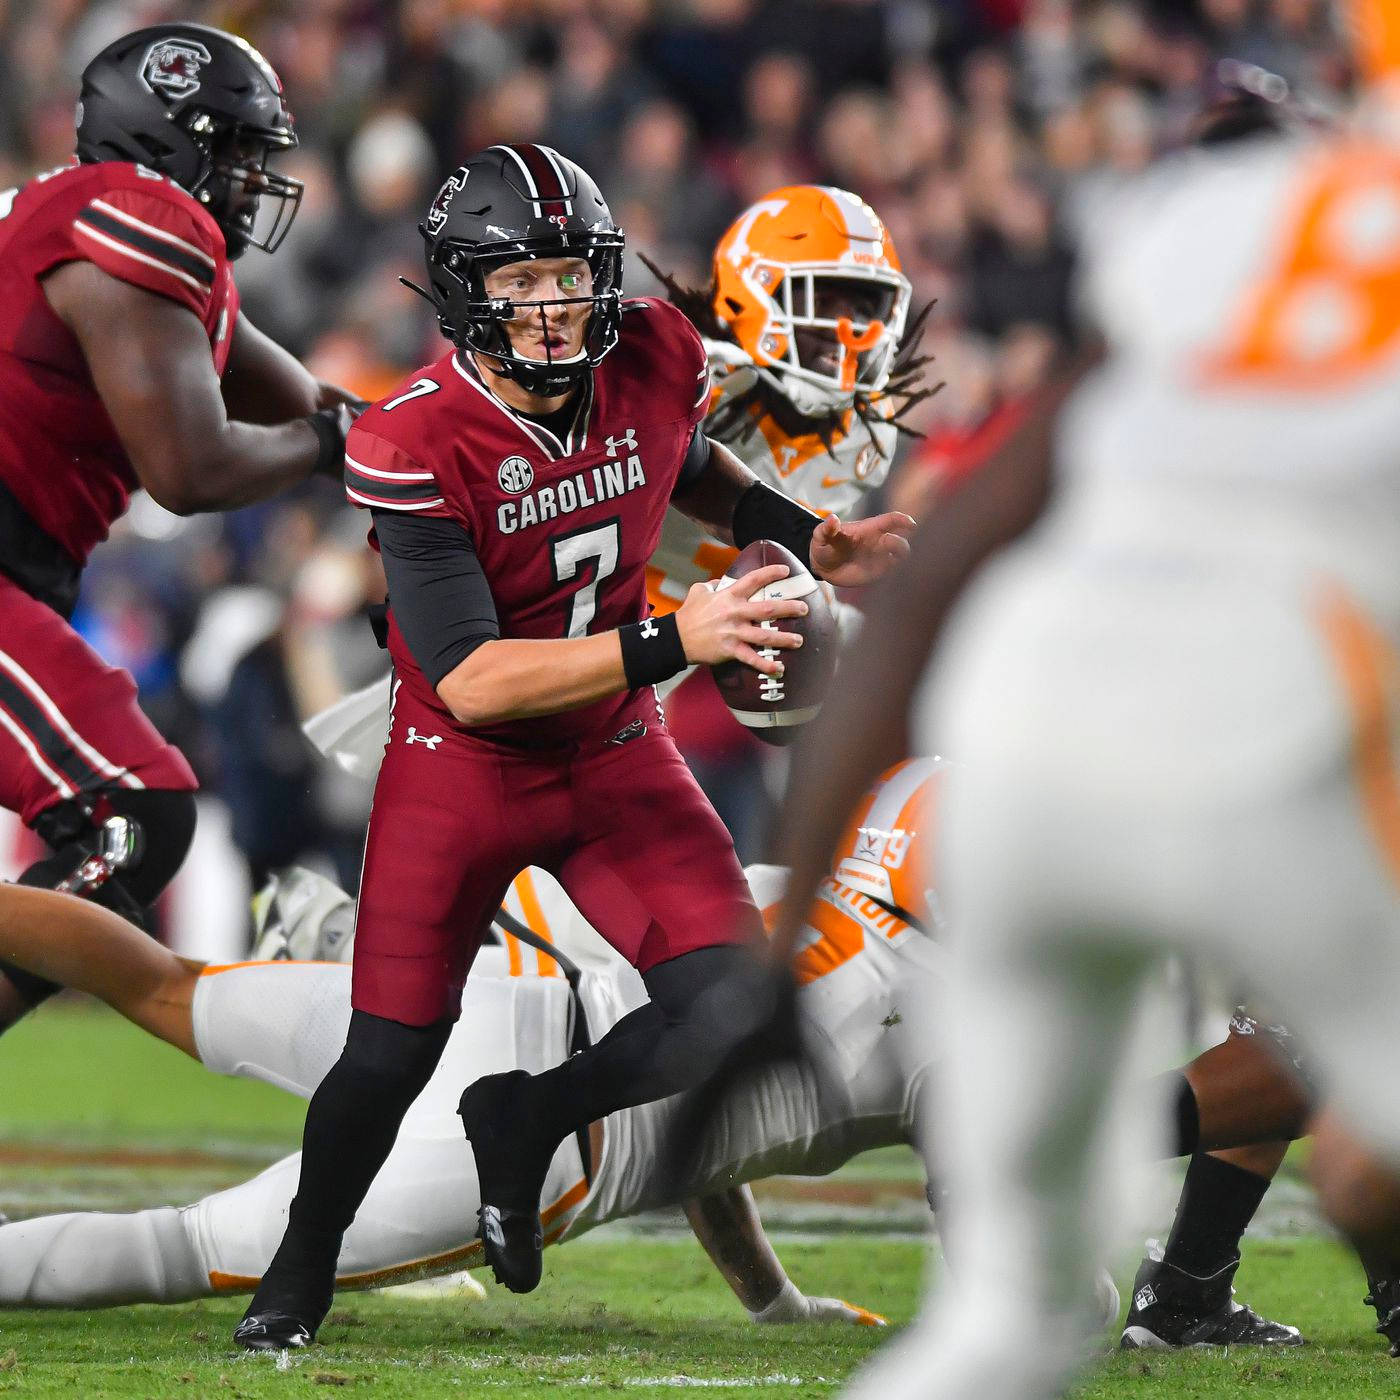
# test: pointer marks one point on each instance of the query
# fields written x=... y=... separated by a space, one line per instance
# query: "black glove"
x=331 y=426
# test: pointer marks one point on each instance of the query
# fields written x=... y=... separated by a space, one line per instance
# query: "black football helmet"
x=202 y=107
x=509 y=204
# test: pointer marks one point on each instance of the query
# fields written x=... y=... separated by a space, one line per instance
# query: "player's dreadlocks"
x=906 y=386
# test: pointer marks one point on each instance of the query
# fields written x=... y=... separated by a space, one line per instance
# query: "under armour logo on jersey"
x=627 y=440
x=431 y=740
x=649 y=629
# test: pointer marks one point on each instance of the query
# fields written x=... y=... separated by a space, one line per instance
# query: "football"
x=775 y=707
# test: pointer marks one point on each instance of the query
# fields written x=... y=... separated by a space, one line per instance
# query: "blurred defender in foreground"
x=284 y=1023
x=1173 y=707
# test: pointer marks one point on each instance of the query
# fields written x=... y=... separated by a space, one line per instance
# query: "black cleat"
x=511 y=1177
x=1385 y=1298
x=272 y=1331
x=290 y=1304
x=1172 y=1309
x=514 y=1240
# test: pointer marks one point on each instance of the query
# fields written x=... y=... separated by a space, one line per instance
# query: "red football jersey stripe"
x=551 y=193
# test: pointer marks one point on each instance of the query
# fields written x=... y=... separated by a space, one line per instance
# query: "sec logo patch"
x=515 y=475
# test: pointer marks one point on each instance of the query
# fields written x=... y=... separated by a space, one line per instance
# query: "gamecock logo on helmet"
x=171 y=66
x=437 y=210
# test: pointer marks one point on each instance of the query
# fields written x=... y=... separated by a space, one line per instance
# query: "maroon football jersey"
x=563 y=529
x=60 y=457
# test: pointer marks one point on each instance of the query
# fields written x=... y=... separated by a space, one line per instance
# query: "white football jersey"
x=861 y=972
x=835 y=478
x=1247 y=412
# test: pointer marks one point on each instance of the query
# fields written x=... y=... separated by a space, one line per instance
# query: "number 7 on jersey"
x=592 y=551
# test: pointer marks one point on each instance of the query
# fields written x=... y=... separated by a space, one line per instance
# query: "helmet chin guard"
x=516 y=204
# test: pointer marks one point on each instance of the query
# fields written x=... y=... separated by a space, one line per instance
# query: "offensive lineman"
x=861 y=962
x=1175 y=701
x=125 y=362
x=518 y=487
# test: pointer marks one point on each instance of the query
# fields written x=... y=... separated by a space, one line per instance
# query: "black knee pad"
x=166 y=819
x=1186 y=1116
x=676 y=984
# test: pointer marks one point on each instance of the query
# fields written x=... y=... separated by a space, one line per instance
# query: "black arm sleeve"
x=437 y=590
x=697 y=458
x=765 y=514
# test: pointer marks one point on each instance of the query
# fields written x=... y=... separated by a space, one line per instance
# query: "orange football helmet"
x=778 y=270
x=885 y=850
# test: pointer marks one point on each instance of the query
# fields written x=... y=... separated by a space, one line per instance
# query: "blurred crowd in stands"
x=985 y=132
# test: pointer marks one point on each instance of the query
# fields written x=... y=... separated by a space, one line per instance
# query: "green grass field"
x=93 y=1115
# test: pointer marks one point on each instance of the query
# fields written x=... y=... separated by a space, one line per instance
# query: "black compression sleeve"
x=765 y=514
x=697 y=458
x=438 y=593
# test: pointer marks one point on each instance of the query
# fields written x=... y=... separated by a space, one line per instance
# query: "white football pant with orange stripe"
x=285 y=1022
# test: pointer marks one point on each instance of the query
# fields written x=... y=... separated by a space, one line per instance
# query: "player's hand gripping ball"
x=775 y=707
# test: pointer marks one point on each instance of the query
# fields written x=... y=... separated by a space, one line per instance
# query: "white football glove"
x=792 y=1305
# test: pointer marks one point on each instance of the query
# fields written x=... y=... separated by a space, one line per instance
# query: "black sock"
x=1217 y=1202
x=657 y=1050
x=351 y=1124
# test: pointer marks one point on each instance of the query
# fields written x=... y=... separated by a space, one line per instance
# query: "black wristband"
x=652 y=651
x=765 y=514
x=330 y=426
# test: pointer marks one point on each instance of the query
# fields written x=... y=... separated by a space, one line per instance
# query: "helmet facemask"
x=236 y=186
x=817 y=357
x=482 y=324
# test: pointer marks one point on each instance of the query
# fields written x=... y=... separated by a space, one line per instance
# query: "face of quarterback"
x=859 y=301
x=545 y=331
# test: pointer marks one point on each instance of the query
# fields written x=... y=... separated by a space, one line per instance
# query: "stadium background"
x=985 y=132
